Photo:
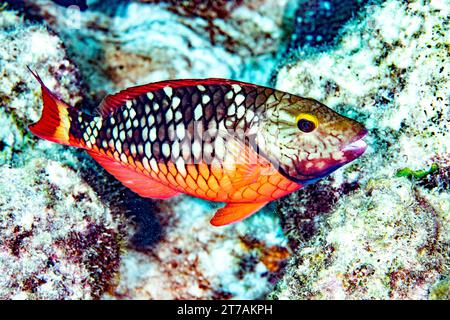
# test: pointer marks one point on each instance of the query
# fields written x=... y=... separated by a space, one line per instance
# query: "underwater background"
x=379 y=228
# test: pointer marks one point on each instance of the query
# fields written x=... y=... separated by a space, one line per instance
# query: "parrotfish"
x=216 y=139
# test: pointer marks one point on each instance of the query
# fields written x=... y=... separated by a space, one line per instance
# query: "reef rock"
x=372 y=231
x=58 y=241
x=120 y=44
x=194 y=260
x=30 y=45
x=104 y=241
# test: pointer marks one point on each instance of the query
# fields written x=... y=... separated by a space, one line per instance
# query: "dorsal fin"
x=111 y=102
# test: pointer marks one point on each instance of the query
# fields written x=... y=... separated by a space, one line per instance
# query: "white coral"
x=390 y=69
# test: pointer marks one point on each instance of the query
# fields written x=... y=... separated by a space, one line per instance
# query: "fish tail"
x=54 y=124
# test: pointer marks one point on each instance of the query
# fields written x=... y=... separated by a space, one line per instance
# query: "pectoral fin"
x=234 y=212
x=242 y=164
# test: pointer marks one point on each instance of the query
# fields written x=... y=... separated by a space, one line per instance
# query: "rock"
x=370 y=234
x=155 y=249
x=58 y=240
x=123 y=44
x=34 y=46
x=193 y=260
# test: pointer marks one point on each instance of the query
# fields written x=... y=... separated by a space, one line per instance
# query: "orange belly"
x=203 y=182
x=209 y=183
x=244 y=193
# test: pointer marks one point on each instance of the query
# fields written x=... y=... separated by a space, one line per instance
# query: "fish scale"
x=213 y=113
x=216 y=139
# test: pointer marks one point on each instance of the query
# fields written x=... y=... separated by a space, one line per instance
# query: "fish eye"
x=307 y=122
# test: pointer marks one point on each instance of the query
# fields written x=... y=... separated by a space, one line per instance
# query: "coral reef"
x=151 y=247
x=195 y=261
x=147 y=41
x=35 y=46
x=58 y=240
x=52 y=245
x=385 y=241
x=377 y=228
x=367 y=231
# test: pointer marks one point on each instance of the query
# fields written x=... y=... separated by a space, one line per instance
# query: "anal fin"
x=141 y=184
x=234 y=212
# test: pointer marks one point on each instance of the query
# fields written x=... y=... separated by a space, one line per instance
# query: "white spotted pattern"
x=239 y=99
x=154 y=165
x=147 y=149
x=196 y=149
x=175 y=102
x=152 y=135
x=168 y=91
x=166 y=149
x=236 y=88
x=205 y=99
x=198 y=112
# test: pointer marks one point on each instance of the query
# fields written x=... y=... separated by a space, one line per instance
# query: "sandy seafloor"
x=378 y=228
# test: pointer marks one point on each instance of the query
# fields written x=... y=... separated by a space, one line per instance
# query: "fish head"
x=307 y=141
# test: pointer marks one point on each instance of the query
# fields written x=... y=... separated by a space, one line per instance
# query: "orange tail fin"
x=54 y=124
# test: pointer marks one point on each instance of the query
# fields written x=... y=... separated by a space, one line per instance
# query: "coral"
x=302 y=212
x=53 y=246
x=439 y=178
x=387 y=236
x=58 y=239
x=441 y=290
x=272 y=257
x=152 y=249
x=147 y=41
x=382 y=242
x=192 y=260
x=35 y=46
x=203 y=8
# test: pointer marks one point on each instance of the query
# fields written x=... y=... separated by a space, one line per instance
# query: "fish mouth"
x=356 y=147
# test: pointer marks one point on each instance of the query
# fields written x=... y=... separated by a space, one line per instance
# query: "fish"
x=216 y=139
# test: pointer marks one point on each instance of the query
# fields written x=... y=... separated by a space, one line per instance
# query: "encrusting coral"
x=147 y=41
x=142 y=248
x=58 y=241
x=373 y=233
